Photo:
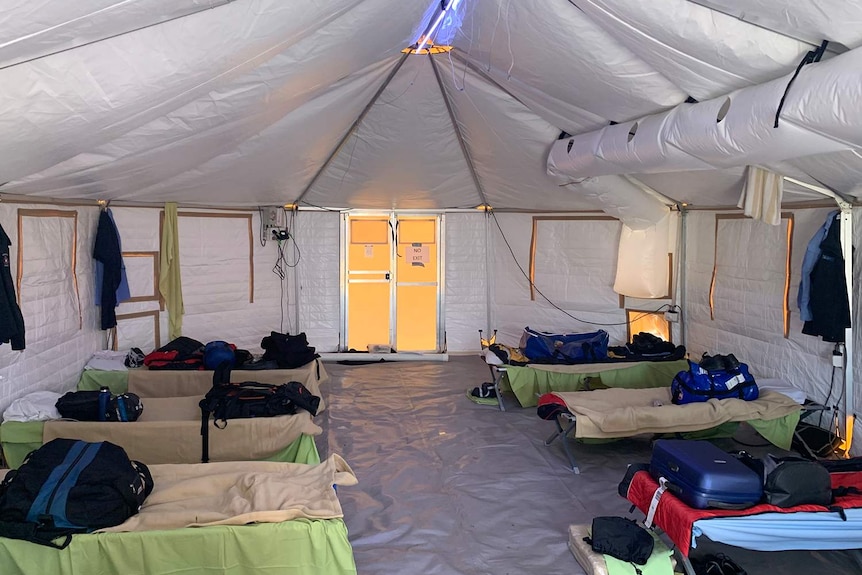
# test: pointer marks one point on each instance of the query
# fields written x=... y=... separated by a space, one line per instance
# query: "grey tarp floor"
x=448 y=487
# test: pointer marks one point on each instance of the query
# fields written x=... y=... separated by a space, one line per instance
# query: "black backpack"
x=100 y=405
x=69 y=486
x=227 y=400
x=288 y=351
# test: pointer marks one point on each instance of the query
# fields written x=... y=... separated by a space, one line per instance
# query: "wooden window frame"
x=31 y=213
x=787 y=263
x=155 y=257
x=247 y=217
x=534 y=242
x=641 y=313
x=157 y=336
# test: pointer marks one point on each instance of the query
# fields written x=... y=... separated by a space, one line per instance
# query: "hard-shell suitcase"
x=702 y=475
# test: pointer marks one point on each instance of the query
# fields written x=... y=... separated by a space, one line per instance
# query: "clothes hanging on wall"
x=107 y=251
x=828 y=302
x=123 y=291
x=170 y=278
x=812 y=254
x=11 y=320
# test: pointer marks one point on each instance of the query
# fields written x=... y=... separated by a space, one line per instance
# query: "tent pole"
x=460 y=137
x=820 y=190
x=353 y=128
x=683 y=238
x=849 y=397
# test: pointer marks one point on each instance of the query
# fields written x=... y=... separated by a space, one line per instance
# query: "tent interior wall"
x=484 y=283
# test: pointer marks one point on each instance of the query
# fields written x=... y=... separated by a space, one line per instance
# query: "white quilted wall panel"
x=214 y=260
x=58 y=342
x=512 y=309
x=466 y=280
x=319 y=299
x=745 y=325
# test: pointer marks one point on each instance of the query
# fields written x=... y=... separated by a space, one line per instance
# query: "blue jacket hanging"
x=812 y=254
x=830 y=307
x=107 y=252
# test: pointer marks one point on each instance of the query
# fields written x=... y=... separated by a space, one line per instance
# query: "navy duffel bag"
x=544 y=347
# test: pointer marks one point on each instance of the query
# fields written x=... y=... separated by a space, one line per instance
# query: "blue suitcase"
x=702 y=475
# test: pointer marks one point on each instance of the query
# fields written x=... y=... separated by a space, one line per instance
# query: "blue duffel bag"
x=544 y=347
x=701 y=384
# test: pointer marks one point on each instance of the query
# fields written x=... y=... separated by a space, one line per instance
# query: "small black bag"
x=796 y=481
x=100 y=406
x=288 y=351
x=621 y=538
x=69 y=486
x=791 y=481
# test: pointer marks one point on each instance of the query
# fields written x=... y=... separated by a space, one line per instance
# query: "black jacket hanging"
x=107 y=251
x=830 y=308
x=11 y=320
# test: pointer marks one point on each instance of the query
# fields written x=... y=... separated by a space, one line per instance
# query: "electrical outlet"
x=273 y=217
x=671 y=316
x=837 y=359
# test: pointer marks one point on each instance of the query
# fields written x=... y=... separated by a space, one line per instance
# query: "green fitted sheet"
x=95 y=379
x=528 y=382
x=20 y=438
x=298 y=547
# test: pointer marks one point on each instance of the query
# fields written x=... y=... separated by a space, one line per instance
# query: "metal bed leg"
x=563 y=433
x=496 y=378
x=686 y=565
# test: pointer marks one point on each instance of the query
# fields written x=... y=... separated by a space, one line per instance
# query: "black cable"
x=281 y=304
x=811 y=56
x=307 y=203
x=555 y=306
x=828 y=397
x=291 y=237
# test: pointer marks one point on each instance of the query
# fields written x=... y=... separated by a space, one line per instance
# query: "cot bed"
x=178 y=383
x=618 y=413
x=759 y=528
x=532 y=380
x=169 y=431
x=249 y=518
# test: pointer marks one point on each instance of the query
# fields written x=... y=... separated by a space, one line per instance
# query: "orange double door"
x=392 y=282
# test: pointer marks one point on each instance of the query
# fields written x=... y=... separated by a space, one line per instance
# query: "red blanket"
x=676 y=518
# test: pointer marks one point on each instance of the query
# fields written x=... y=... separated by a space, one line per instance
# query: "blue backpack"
x=218 y=352
x=713 y=379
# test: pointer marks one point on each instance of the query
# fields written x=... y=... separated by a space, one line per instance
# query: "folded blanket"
x=607 y=413
x=237 y=493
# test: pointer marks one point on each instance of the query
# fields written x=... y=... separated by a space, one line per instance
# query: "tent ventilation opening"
x=722 y=112
x=444 y=21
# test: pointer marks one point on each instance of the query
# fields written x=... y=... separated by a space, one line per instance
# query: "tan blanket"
x=607 y=413
x=178 y=383
x=234 y=493
x=169 y=431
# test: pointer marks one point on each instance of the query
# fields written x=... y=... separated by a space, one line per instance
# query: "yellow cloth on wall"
x=170 y=279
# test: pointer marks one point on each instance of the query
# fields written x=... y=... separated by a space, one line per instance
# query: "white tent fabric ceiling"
x=238 y=103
